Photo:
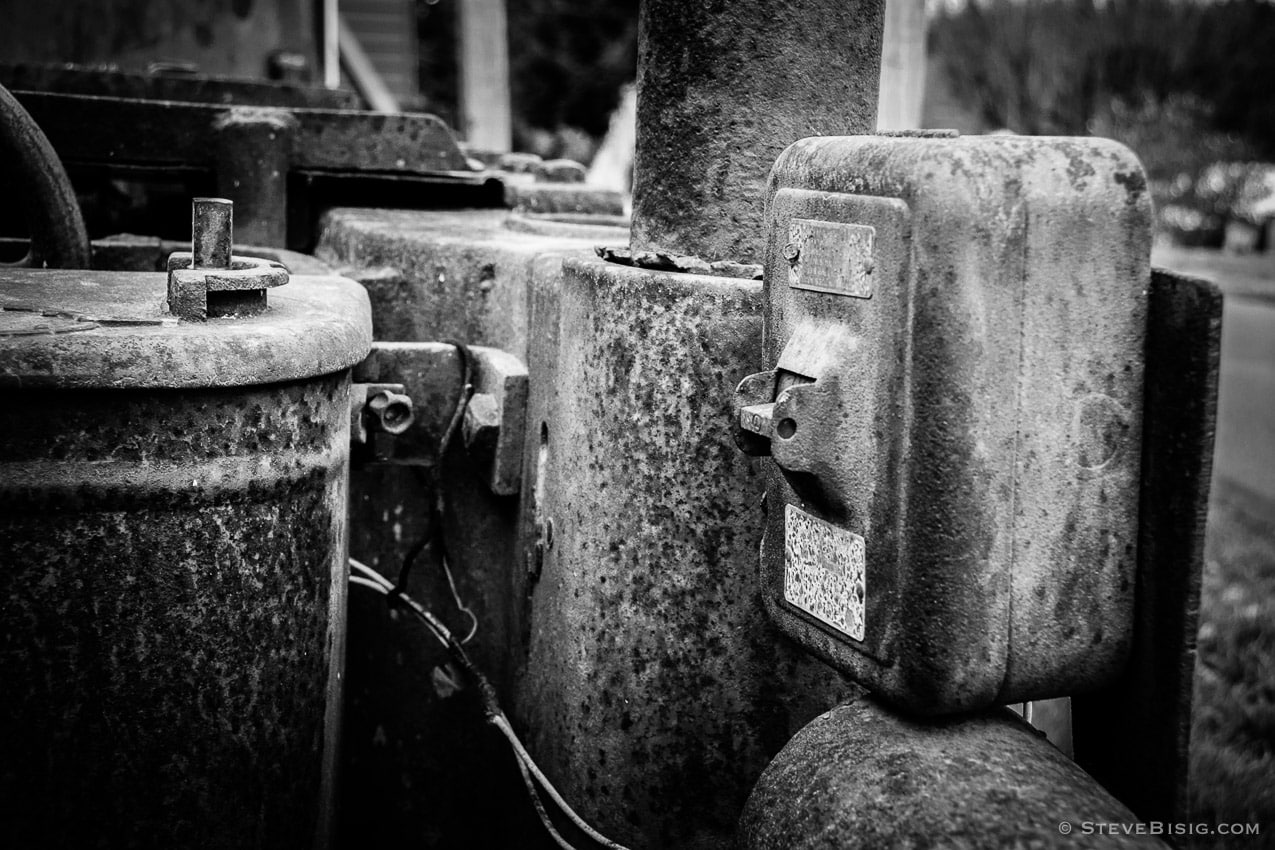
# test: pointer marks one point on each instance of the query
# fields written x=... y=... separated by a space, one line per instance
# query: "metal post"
x=254 y=151
x=212 y=222
x=484 y=74
x=723 y=88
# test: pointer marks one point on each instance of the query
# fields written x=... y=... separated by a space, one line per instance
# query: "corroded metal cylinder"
x=722 y=89
x=172 y=535
x=861 y=776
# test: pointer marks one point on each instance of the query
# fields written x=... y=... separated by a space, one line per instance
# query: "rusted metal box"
x=954 y=416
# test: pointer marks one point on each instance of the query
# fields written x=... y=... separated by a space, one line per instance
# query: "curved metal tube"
x=58 y=237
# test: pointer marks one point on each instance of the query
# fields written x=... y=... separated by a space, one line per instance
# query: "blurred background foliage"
x=1188 y=84
x=568 y=60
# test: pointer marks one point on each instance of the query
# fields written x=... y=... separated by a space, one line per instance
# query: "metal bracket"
x=495 y=419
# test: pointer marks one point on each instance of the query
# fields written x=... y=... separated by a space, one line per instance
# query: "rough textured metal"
x=496 y=418
x=319 y=325
x=417 y=768
x=862 y=777
x=327 y=156
x=975 y=419
x=654 y=690
x=563 y=198
x=238 y=289
x=212 y=233
x=254 y=151
x=172 y=633
x=40 y=186
x=126 y=252
x=208 y=281
x=123 y=131
x=79 y=79
x=1134 y=736
x=446 y=275
x=721 y=91
x=595 y=226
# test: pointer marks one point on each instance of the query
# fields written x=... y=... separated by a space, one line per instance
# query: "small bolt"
x=212 y=228
x=208 y=281
x=391 y=412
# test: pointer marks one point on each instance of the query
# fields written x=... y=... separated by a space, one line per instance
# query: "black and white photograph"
x=637 y=424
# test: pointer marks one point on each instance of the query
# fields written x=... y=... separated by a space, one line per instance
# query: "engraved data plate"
x=824 y=571
x=825 y=256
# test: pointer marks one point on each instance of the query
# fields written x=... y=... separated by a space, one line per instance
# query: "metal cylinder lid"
x=98 y=329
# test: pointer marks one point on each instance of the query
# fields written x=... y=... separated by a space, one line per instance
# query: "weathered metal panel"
x=970 y=407
x=417 y=767
x=101 y=129
x=654 y=691
x=315 y=325
x=101 y=82
x=1134 y=736
x=461 y=274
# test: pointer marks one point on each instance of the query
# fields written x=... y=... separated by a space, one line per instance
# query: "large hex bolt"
x=208 y=281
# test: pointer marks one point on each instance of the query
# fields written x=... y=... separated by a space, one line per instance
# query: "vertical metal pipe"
x=211 y=232
x=722 y=89
x=253 y=150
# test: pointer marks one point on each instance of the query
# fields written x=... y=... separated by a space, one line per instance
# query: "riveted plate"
x=824 y=571
x=828 y=256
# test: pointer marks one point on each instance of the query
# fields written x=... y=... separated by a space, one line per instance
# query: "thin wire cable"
x=495 y=716
x=377 y=582
x=451 y=583
x=371 y=574
x=539 y=806
x=367 y=583
x=436 y=517
x=502 y=723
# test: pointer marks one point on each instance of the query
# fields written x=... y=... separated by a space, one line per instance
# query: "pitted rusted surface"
x=985 y=437
x=721 y=91
x=313 y=326
x=462 y=275
x=1135 y=735
x=862 y=777
x=655 y=691
x=172 y=635
x=417 y=767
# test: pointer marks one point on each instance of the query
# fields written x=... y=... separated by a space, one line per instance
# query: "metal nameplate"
x=824 y=570
x=827 y=256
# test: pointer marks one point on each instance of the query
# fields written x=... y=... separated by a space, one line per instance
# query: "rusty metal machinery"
x=954 y=413
x=861 y=777
x=283 y=154
x=564 y=489
x=173 y=534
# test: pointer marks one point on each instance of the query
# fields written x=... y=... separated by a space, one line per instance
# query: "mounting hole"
x=786 y=428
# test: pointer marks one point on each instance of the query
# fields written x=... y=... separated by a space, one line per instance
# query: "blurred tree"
x=568 y=61
x=1058 y=66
